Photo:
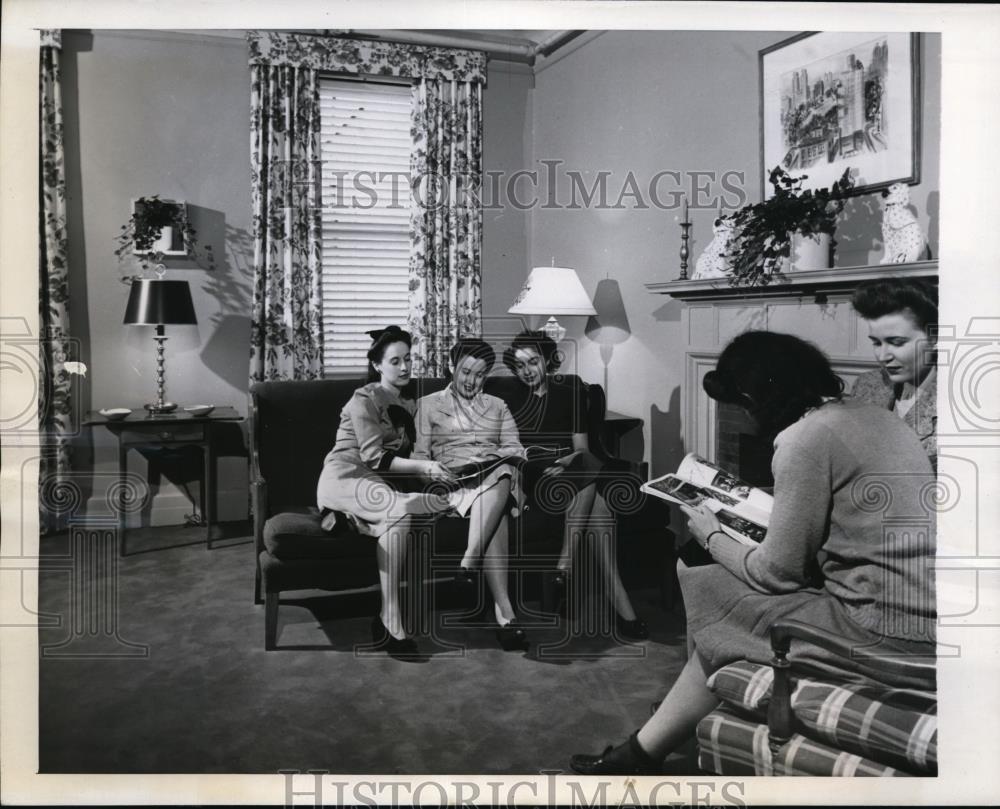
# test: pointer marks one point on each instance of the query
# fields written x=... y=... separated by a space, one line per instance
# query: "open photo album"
x=742 y=509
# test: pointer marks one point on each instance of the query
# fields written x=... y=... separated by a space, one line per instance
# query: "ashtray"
x=114 y=413
x=199 y=410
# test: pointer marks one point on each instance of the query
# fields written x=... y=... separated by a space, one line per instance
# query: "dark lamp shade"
x=154 y=302
x=610 y=325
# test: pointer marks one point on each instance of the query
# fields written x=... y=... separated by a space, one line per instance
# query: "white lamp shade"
x=552 y=291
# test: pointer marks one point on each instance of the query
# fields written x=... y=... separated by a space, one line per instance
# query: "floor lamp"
x=610 y=326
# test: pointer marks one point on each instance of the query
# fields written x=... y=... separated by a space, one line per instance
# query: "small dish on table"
x=115 y=413
x=199 y=410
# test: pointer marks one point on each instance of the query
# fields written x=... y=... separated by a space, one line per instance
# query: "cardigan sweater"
x=852 y=490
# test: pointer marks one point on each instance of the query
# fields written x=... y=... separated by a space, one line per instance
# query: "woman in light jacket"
x=461 y=425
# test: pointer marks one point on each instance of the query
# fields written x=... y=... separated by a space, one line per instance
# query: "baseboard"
x=172 y=508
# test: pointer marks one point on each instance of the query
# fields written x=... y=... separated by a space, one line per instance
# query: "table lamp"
x=552 y=291
x=160 y=303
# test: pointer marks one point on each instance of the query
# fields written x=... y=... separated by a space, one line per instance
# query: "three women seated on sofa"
x=390 y=449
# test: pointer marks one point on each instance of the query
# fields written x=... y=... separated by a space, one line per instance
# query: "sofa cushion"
x=297 y=534
x=729 y=744
x=892 y=725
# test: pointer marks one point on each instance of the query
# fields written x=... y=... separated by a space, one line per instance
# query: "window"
x=365 y=151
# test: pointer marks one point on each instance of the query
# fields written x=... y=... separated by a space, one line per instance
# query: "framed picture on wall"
x=831 y=101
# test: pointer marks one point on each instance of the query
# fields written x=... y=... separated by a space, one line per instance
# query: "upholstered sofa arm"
x=258 y=485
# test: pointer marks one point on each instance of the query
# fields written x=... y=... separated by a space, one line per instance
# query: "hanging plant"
x=141 y=234
x=763 y=231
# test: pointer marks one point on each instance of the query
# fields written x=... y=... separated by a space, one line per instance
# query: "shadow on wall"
x=859 y=232
x=666 y=442
x=227 y=352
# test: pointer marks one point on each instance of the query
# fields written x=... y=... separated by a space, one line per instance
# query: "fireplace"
x=740 y=449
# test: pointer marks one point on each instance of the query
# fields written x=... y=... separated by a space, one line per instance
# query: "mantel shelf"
x=813 y=282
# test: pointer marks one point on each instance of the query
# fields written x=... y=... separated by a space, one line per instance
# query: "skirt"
x=375 y=503
x=729 y=621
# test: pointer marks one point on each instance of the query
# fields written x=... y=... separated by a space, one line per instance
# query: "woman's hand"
x=434 y=470
x=559 y=466
x=701 y=523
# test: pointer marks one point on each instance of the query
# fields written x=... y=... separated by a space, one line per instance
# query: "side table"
x=165 y=431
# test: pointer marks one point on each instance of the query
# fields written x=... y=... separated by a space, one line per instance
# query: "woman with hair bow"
x=370 y=480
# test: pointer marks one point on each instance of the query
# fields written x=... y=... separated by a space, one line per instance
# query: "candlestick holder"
x=685 y=253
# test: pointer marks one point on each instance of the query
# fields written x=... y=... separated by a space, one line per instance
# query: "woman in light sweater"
x=842 y=469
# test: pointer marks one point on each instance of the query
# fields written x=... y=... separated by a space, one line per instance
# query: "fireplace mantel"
x=813 y=305
x=816 y=282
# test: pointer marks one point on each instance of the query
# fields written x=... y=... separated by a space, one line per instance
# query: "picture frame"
x=831 y=101
x=173 y=241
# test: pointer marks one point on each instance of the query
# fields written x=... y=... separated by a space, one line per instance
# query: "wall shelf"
x=814 y=282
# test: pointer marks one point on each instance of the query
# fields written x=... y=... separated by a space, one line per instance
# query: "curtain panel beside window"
x=446 y=216
x=55 y=420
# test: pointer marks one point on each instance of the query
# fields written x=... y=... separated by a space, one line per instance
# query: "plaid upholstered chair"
x=772 y=722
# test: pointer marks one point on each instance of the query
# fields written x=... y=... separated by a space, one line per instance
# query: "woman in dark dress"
x=552 y=412
x=841 y=470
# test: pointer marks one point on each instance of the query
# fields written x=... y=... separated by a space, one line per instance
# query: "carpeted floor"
x=180 y=682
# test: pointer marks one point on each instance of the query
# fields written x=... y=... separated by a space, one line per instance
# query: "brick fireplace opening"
x=740 y=448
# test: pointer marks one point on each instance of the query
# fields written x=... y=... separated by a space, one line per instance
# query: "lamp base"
x=553 y=329
x=160 y=407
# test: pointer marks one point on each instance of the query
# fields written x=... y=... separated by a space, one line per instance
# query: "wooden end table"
x=165 y=431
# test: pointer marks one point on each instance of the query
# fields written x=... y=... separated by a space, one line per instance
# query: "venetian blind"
x=365 y=149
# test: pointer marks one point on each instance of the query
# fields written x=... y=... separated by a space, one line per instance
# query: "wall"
x=645 y=102
x=162 y=113
x=507 y=124
x=155 y=113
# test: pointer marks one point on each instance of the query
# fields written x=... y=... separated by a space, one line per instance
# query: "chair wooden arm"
x=780 y=720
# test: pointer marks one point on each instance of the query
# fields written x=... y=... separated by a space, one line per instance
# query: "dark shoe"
x=467 y=580
x=633 y=630
x=625 y=759
x=405 y=649
x=512 y=637
x=560 y=591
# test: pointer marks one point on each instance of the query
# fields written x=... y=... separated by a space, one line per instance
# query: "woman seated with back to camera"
x=831 y=455
x=552 y=412
x=461 y=425
x=902 y=319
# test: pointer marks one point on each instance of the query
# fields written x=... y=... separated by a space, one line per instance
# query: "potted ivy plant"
x=154 y=226
x=764 y=232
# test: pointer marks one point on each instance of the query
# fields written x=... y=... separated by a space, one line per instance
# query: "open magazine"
x=742 y=510
x=479 y=469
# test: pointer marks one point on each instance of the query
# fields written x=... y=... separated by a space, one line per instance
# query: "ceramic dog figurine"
x=714 y=262
x=901 y=235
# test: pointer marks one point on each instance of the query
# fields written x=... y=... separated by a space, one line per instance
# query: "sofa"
x=774 y=721
x=293 y=426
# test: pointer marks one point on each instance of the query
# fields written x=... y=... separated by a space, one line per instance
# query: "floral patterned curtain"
x=446 y=220
x=54 y=415
x=446 y=166
x=286 y=338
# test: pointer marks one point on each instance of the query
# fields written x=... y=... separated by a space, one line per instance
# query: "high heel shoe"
x=636 y=629
x=405 y=649
x=467 y=580
x=625 y=759
x=560 y=583
x=512 y=637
